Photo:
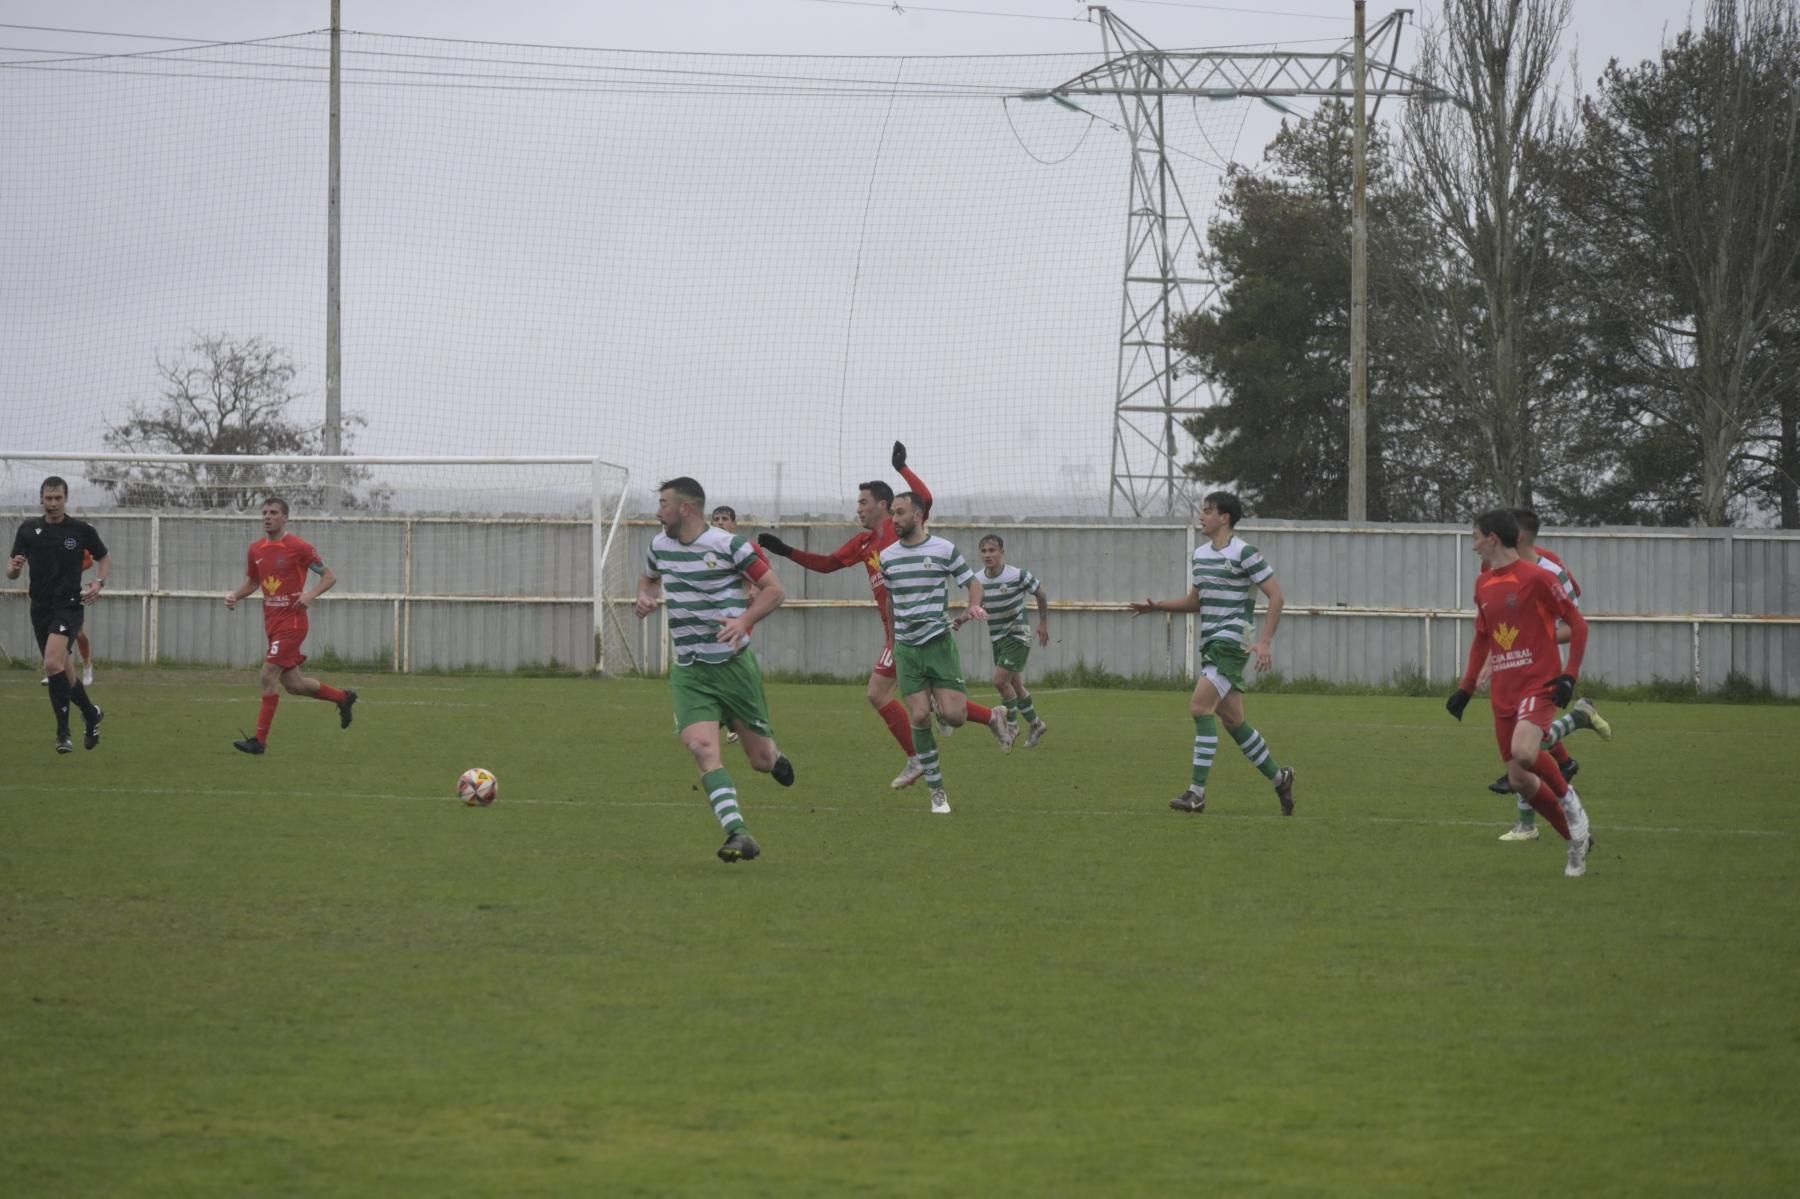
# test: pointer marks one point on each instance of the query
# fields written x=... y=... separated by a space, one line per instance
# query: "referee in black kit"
x=52 y=545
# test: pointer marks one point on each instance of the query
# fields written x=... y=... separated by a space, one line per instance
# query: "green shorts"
x=1010 y=654
x=1223 y=662
x=723 y=693
x=934 y=664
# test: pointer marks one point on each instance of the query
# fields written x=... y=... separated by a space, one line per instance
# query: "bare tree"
x=1483 y=172
x=224 y=395
x=1689 y=170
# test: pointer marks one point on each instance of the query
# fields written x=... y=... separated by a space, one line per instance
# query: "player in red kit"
x=279 y=566
x=872 y=502
x=1517 y=606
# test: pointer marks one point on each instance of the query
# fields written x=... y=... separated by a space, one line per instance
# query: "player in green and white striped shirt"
x=918 y=570
x=1004 y=589
x=718 y=589
x=1224 y=572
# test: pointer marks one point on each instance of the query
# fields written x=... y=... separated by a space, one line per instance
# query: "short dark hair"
x=1528 y=521
x=1227 y=503
x=725 y=510
x=686 y=488
x=51 y=484
x=881 y=491
x=1500 y=523
x=278 y=502
x=993 y=537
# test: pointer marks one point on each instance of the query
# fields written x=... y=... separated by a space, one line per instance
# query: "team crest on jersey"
x=281 y=563
x=69 y=543
x=711 y=561
x=1505 y=635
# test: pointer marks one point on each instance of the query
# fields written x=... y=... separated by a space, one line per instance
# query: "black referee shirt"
x=53 y=555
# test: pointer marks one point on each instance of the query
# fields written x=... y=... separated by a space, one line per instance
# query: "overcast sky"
x=1629 y=29
x=713 y=284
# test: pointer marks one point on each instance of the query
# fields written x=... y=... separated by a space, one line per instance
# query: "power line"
x=903 y=9
x=1257 y=12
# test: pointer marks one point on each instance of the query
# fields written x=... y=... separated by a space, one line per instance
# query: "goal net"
x=442 y=563
x=759 y=271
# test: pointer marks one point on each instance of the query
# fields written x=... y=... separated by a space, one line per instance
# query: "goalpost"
x=435 y=552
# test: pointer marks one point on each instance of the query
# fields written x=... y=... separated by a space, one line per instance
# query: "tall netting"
x=759 y=271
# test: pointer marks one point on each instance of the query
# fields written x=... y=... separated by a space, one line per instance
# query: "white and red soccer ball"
x=477 y=787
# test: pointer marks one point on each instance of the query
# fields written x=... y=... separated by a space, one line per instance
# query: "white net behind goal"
x=759 y=271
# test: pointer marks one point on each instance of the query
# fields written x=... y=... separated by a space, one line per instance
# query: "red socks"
x=899 y=723
x=329 y=694
x=1560 y=754
x=1545 y=768
x=980 y=714
x=267 y=717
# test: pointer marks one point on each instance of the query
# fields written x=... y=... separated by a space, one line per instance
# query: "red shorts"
x=285 y=641
x=884 y=665
x=1536 y=708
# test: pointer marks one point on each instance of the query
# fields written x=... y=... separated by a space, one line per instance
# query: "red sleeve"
x=1478 y=648
x=250 y=562
x=848 y=554
x=1478 y=654
x=918 y=486
x=310 y=555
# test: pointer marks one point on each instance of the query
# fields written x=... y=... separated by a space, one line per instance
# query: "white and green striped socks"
x=722 y=794
x=1206 y=746
x=925 y=742
x=1255 y=748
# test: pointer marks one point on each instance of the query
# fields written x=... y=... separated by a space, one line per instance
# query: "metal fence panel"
x=1363 y=603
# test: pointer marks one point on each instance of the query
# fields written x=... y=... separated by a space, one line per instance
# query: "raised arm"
x=848 y=554
x=898 y=458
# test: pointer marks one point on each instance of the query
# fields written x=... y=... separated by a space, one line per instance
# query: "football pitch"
x=316 y=972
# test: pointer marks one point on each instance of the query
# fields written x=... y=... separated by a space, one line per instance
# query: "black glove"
x=774 y=544
x=899 y=458
x=1562 y=690
x=1459 y=699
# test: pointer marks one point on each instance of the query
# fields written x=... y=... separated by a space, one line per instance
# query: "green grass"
x=316 y=973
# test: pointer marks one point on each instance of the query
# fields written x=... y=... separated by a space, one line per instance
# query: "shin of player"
x=54 y=545
x=717 y=590
x=1517 y=609
x=1224 y=570
x=290 y=575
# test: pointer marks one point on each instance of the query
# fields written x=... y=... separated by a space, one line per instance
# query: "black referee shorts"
x=58 y=622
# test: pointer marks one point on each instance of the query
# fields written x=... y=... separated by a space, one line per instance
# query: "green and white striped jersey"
x=706 y=582
x=918 y=584
x=1003 y=596
x=1227 y=580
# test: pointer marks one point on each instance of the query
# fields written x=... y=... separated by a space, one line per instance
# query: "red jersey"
x=280 y=567
x=1516 y=610
x=865 y=547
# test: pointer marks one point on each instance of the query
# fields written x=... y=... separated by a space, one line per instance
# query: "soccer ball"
x=478 y=787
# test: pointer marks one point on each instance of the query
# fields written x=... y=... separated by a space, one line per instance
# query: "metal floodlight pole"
x=1150 y=398
x=1359 y=287
x=334 y=392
